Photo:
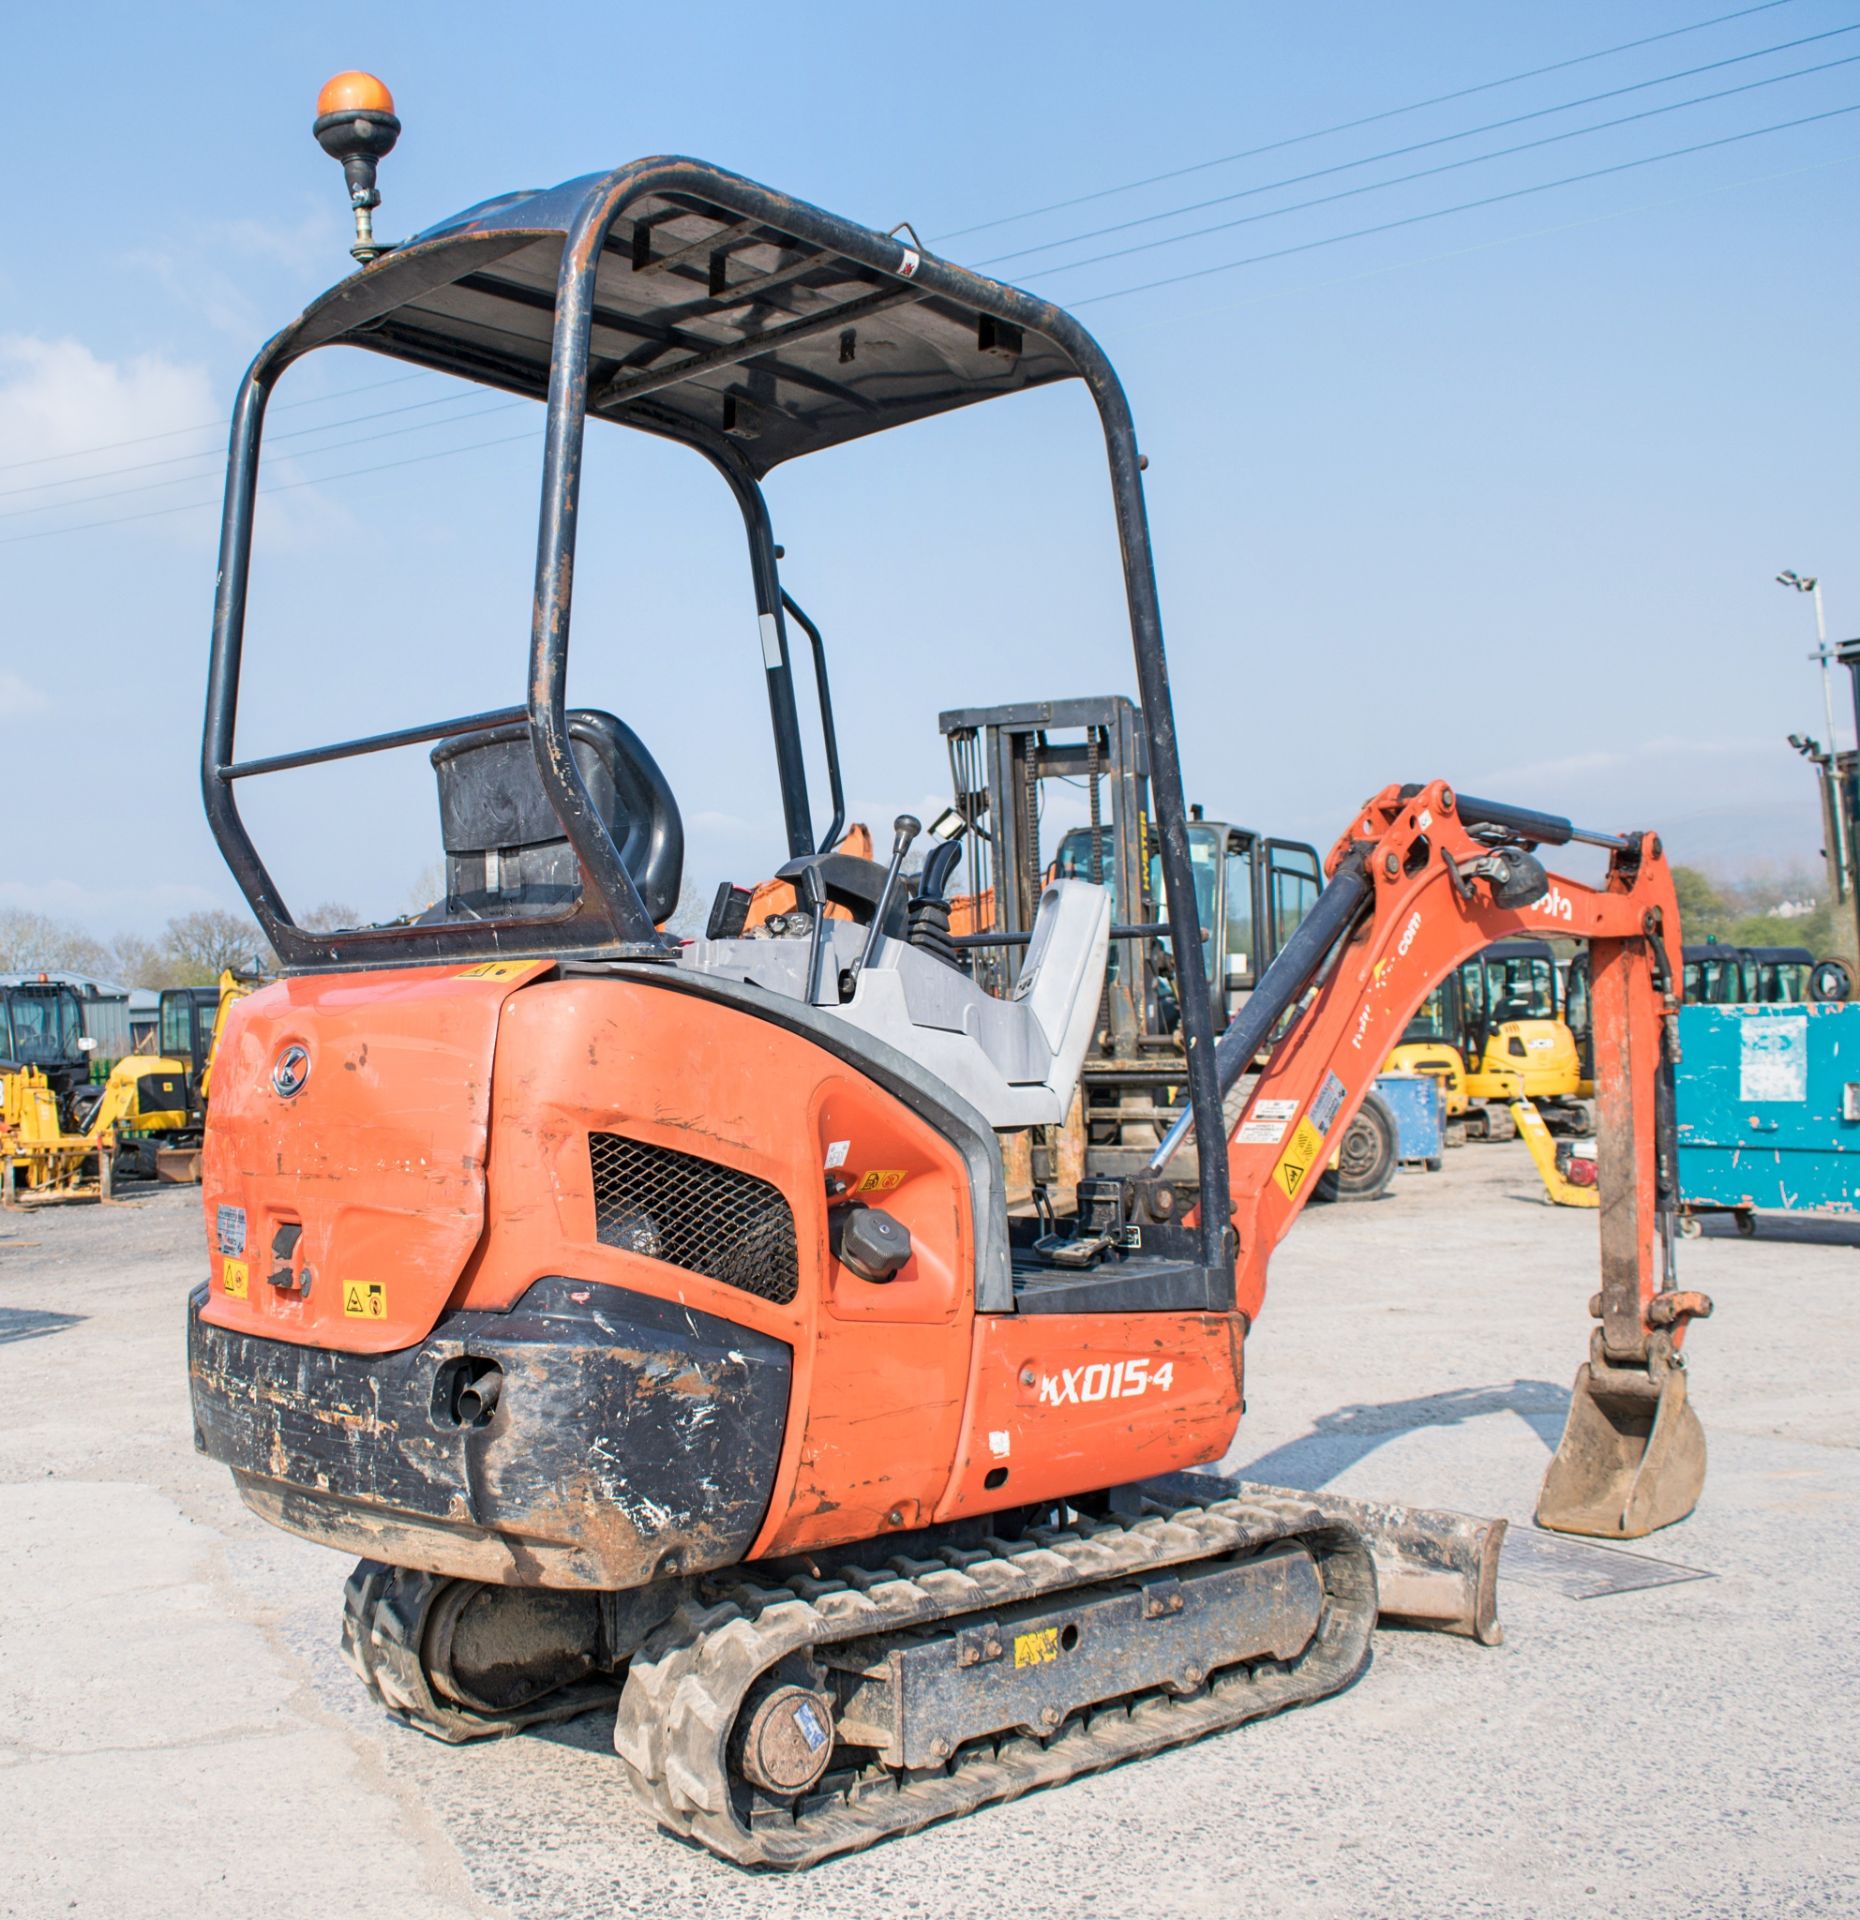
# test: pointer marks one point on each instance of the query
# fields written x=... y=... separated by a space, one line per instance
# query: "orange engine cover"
x=463 y=1137
x=376 y=1159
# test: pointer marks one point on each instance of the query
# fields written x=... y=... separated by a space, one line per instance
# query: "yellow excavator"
x=1493 y=1033
x=147 y=1120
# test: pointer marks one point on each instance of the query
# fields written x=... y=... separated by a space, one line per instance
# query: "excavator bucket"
x=1632 y=1456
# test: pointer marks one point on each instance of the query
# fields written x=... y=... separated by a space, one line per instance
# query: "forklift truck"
x=1009 y=765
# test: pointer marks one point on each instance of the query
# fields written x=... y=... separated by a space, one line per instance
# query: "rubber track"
x=686 y=1686
x=385 y=1611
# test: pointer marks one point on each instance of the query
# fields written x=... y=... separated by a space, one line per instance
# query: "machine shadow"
x=1339 y=1440
x=27 y=1323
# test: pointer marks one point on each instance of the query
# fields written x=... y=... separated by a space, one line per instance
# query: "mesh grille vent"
x=694 y=1214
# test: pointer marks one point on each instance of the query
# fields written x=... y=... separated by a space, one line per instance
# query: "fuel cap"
x=868 y=1241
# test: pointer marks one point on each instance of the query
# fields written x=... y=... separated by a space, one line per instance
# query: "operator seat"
x=506 y=853
x=1016 y=1060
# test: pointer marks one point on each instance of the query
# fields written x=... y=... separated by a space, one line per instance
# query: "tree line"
x=1743 y=913
x=191 y=950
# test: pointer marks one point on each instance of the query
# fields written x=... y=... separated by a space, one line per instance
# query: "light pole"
x=1811 y=584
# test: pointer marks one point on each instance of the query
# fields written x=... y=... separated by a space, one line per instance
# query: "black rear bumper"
x=630 y=1439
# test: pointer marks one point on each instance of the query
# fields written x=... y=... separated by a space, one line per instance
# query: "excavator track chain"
x=388 y=1615
x=676 y=1729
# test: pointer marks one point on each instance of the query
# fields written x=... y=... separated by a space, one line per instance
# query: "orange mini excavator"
x=649 y=1315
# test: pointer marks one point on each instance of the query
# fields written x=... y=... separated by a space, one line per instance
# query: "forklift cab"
x=42 y=1025
x=1720 y=975
x=1251 y=892
x=186 y=1030
x=1512 y=981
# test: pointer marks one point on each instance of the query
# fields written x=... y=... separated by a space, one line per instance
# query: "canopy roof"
x=723 y=314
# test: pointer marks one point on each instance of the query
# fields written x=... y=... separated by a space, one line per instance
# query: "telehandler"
x=654 y=1310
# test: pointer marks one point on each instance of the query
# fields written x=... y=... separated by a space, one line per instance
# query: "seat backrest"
x=505 y=849
x=1061 y=980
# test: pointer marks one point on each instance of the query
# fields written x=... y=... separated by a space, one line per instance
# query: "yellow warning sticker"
x=496 y=970
x=1035 y=1649
x=880 y=1180
x=234 y=1278
x=364 y=1299
x=1304 y=1153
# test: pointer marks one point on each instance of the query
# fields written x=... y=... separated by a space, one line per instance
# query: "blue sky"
x=1497 y=494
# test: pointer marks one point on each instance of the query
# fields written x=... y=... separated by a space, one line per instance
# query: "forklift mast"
x=1000 y=759
x=1251 y=892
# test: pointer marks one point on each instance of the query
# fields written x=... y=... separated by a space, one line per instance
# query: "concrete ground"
x=178 y=1736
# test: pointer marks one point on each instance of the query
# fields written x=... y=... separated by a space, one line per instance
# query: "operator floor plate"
x=1584 y=1569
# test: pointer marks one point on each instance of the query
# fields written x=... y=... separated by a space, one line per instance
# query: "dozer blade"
x=1632 y=1456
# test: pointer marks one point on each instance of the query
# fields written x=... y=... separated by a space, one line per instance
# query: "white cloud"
x=18 y=697
x=58 y=399
x=78 y=421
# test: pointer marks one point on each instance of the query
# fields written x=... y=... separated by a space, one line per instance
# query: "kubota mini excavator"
x=652 y=1310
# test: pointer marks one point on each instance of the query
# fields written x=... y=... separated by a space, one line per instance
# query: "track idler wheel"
x=1632 y=1456
x=461 y=1660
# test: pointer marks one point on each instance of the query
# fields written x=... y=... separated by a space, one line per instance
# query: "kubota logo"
x=1555 y=903
x=290 y=1070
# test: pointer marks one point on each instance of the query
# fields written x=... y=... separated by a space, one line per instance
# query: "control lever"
x=809 y=886
x=906 y=828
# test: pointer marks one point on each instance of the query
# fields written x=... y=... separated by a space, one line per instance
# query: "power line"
x=214 y=453
x=208 y=426
x=1465 y=206
x=1421 y=146
x=187 y=479
x=1450 y=166
x=1112 y=294
x=283 y=486
x=1367 y=120
x=1553 y=229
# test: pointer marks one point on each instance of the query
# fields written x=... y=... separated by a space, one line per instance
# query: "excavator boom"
x=1423 y=880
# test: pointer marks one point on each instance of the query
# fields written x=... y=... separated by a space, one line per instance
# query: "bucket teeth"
x=1632 y=1456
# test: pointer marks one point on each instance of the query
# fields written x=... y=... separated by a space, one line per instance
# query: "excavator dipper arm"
x=1422 y=881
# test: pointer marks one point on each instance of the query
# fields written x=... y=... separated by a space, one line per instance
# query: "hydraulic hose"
x=1294 y=967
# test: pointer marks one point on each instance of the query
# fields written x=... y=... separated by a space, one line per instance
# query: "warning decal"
x=1324 y=1107
x=1035 y=1649
x=364 y=1299
x=1260 y=1133
x=234 y=1276
x=1306 y=1150
x=496 y=970
x=880 y=1180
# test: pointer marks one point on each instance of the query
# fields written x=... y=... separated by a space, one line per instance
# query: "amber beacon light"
x=355 y=124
